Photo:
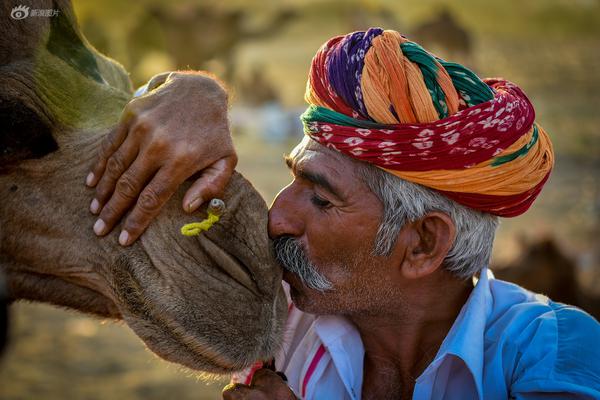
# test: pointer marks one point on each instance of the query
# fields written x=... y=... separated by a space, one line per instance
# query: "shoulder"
x=551 y=346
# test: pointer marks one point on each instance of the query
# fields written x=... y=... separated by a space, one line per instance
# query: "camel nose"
x=285 y=215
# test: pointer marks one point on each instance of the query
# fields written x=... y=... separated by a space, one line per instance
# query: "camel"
x=544 y=267
x=212 y=303
x=195 y=34
x=445 y=33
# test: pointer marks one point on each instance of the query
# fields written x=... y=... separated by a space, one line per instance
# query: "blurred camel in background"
x=543 y=267
x=194 y=34
x=443 y=34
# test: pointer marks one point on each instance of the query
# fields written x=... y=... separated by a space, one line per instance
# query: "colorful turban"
x=380 y=98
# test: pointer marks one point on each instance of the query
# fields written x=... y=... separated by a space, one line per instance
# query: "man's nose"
x=285 y=214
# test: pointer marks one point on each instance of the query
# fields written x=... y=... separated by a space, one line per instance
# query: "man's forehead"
x=308 y=150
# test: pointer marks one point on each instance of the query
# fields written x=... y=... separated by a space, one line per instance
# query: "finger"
x=211 y=183
x=151 y=200
x=108 y=146
x=265 y=377
x=238 y=391
x=127 y=190
x=116 y=165
x=158 y=80
x=269 y=381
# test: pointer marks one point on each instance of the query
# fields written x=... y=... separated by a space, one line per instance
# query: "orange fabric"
x=511 y=178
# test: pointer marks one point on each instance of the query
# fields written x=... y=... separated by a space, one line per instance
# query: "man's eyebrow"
x=311 y=176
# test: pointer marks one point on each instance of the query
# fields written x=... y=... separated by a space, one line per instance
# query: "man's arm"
x=177 y=129
x=558 y=357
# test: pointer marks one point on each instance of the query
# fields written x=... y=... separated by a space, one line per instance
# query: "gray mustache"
x=292 y=257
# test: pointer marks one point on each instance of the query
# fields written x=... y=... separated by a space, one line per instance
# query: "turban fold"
x=380 y=98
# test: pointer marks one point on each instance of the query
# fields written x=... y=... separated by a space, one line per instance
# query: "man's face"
x=333 y=219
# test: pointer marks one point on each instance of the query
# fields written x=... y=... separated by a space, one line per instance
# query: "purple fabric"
x=345 y=65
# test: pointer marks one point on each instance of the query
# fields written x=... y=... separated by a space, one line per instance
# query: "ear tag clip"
x=215 y=209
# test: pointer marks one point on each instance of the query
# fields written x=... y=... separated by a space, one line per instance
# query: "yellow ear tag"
x=215 y=209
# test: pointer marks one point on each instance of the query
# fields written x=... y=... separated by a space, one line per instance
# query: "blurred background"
x=262 y=50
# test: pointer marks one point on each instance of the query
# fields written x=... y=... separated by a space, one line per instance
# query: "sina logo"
x=19 y=12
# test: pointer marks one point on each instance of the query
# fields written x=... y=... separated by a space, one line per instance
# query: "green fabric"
x=426 y=63
x=321 y=114
x=472 y=89
x=521 y=152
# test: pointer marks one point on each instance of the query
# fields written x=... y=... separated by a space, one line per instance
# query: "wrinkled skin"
x=158 y=144
x=212 y=302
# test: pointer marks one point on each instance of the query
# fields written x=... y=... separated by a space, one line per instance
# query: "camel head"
x=212 y=302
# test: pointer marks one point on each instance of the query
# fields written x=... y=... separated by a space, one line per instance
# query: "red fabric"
x=502 y=206
x=255 y=367
x=321 y=85
x=311 y=368
x=468 y=137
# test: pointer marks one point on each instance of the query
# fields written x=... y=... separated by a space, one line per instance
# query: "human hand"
x=163 y=138
x=266 y=385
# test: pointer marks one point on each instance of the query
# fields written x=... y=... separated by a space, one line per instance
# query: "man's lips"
x=288 y=276
x=292 y=279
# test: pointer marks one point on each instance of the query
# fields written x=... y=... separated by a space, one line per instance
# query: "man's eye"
x=320 y=202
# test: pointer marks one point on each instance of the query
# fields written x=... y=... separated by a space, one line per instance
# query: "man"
x=385 y=232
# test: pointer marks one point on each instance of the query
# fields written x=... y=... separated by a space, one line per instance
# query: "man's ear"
x=428 y=240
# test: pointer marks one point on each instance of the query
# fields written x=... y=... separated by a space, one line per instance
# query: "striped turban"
x=380 y=98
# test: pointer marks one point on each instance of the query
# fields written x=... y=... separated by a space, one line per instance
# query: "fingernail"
x=94 y=206
x=123 y=238
x=194 y=204
x=99 y=227
x=89 y=179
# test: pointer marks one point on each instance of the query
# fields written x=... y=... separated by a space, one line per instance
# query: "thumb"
x=212 y=183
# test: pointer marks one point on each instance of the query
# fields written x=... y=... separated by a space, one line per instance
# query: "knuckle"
x=106 y=147
x=262 y=375
x=213 y=87
x=132 y=109
x=126 y=187
x=159 y=143
x=142 y=126
x=114 y=166
x=183 y=159
x=149 y=201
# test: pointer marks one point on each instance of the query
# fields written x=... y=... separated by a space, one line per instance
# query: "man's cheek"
x=339 y=275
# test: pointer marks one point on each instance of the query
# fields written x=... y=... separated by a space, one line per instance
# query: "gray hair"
x=291 y=256
x=405 y=201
